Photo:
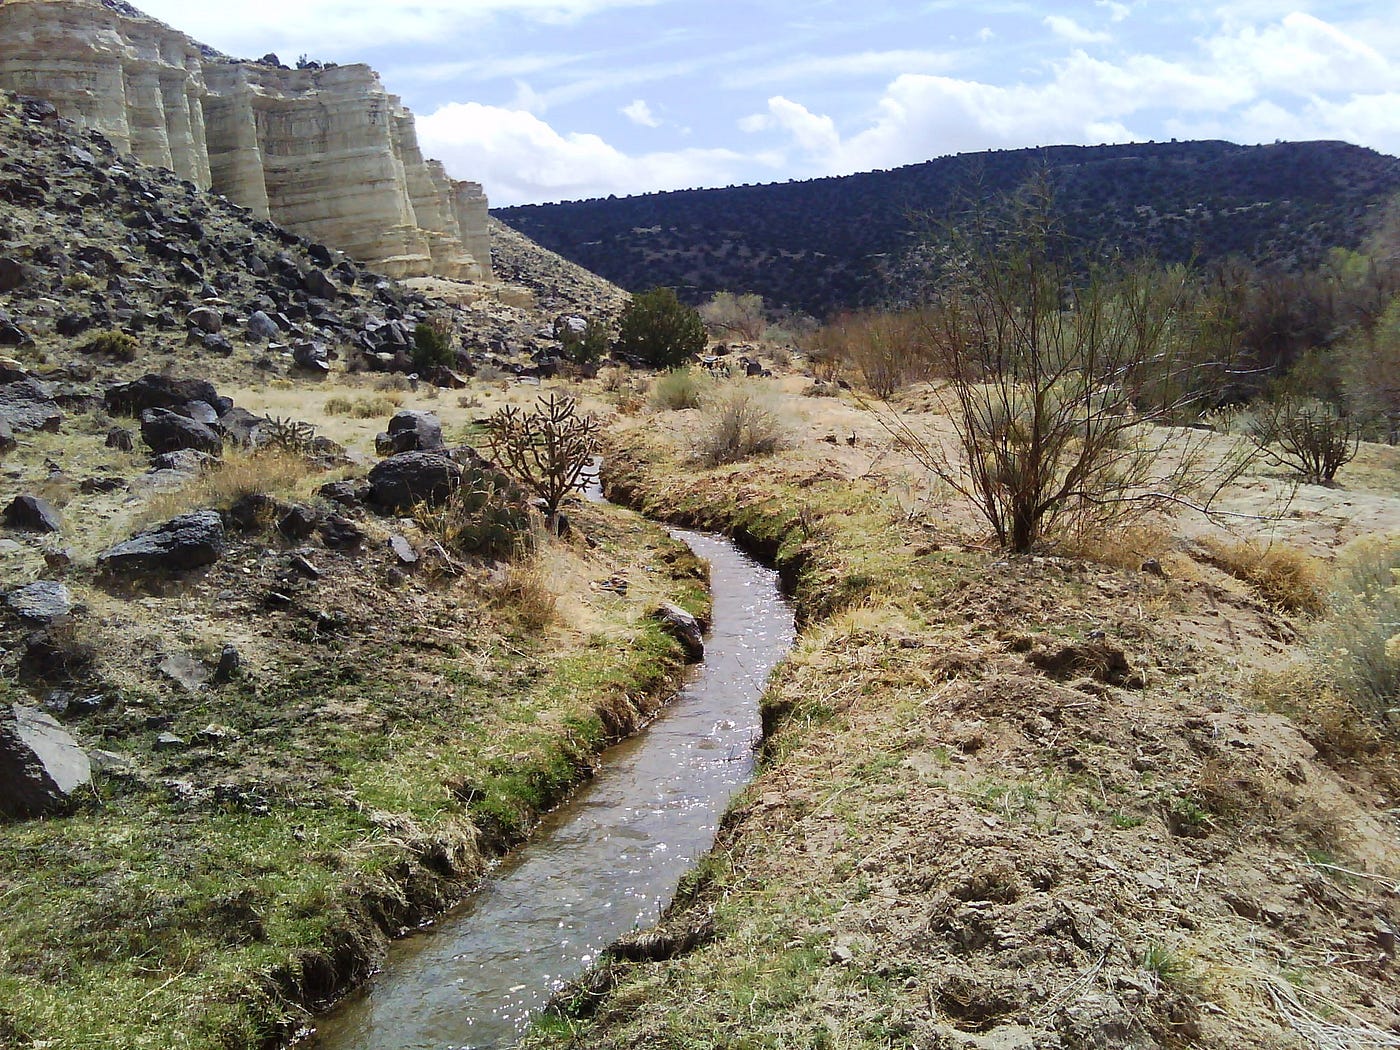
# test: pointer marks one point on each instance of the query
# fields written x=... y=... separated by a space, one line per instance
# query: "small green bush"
x=487 y=516
x=1357 y=644
x=659 y=330
x=432 y=346
x=583 y=348
x=113 y=343
x=680 y=388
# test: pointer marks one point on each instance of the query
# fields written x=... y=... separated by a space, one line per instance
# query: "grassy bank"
x=388 y=735
x=1005 y=801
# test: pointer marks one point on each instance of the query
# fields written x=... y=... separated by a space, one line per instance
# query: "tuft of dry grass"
x=1282 y=575
x=364 y=407
x=267 y=472
x=525 y=595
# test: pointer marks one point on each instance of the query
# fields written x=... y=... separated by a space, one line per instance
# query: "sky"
x=548 y=100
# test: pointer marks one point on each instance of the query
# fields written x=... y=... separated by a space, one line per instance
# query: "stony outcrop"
x=326 y=151
x=41 y=766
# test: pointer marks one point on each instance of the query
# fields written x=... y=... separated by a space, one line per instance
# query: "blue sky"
x=545 y=100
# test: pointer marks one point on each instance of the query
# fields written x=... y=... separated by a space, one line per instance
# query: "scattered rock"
x=120 y=439
x=33 y=513
x=230 y=662
x=684 y=628
x=168 y=741
x=404 y=551
x=318 y=284
x=166 y=431
x=41 y=602
x=341 y=534
x=27 y=404
x=7 y=436
x=185 y=671
x=157 y=391
x=206 y=319
x=184 y=542
x=410 y=431
x=298 y=521
x=13 y=274
x=262 y=328
x=411 y=477
x=41 y=765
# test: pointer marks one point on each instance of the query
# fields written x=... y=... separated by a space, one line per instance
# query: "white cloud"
x=1116 y=11
x=813 y=134
x=985 y=34
x=252 y=27
x=1302 y=54
x=520 y=158
x=1069 y=29
x=864 y=63
x=638 y=112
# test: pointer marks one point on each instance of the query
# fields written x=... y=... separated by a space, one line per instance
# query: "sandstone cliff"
x=327 y=152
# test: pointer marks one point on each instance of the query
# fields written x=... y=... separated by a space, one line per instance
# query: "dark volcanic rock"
x=28 y=404
x=410 y=431
x=262 y=327
x=405 y=479
x=13 y=274
x=341 y=534
x=684 y=628
x=120 y=439
x=165 y=431
x=7 y=436
x=41 y=765
x=33 y=513
x=158 y=391
x=319 y=285
x=40 y=602
x=184 y=542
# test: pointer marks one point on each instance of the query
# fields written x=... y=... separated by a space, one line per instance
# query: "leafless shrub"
x=1307 y=436
x=738 y=421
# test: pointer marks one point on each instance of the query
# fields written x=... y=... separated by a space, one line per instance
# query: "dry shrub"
x=680 y=388
x=1356 y=642
x=890 y=350
x=1283 y=575
x=524 y=593
x=739 y=421
x=375 y=407
x=391 y=381
x=338 y=406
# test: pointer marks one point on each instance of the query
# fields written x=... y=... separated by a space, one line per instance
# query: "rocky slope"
x=325 y=151
x=265 y=718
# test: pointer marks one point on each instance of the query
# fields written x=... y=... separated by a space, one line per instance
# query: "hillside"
x=835 y=243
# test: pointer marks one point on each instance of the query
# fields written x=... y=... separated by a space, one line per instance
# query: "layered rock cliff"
x=325 y=151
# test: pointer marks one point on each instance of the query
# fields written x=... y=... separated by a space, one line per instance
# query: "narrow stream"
x=603 y=864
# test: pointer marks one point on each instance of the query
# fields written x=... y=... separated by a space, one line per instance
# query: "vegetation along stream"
x=601 y=865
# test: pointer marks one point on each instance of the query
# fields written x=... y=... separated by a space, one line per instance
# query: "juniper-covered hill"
x=834 y=243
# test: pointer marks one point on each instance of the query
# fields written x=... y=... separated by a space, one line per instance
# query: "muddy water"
x=601 y=865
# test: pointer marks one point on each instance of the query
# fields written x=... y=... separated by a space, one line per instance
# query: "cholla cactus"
x=547 y=450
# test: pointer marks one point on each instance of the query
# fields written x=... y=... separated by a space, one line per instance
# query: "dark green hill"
x=831 y=243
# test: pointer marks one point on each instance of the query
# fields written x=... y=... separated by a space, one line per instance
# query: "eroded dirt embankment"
x=1010 y=802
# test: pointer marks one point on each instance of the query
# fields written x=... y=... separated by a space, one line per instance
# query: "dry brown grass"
x=1282 y=575
x=524 y=594
x=1128 y=547
x=363 y=407
x=267 y=472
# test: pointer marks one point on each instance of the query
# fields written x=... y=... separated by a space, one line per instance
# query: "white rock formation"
x=326 y=152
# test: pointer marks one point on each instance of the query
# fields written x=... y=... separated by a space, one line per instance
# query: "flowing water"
x=604 y=863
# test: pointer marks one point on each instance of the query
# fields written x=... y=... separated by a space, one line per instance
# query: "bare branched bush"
x=1308 y=437
x=547 y=450
x=738 y=421
x=1047 y=369
x=889 y=350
